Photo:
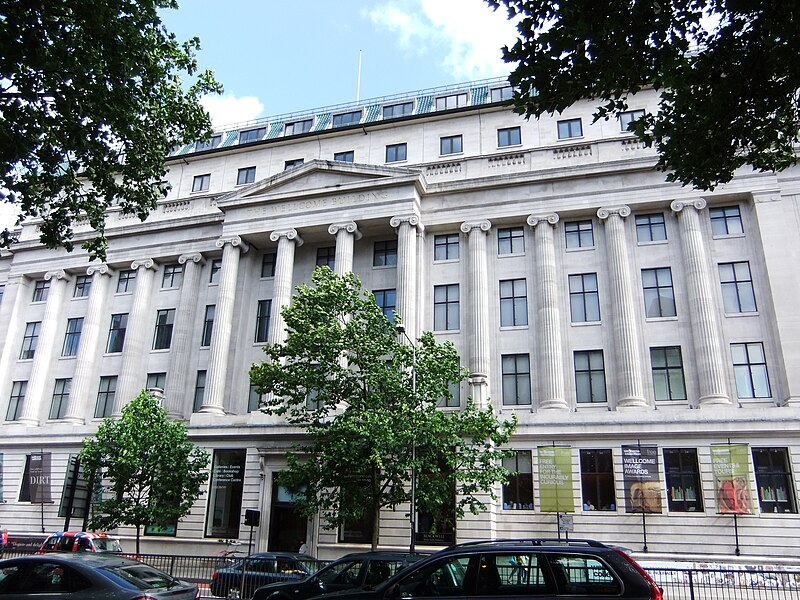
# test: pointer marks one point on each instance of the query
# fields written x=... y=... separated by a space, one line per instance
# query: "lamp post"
x=413 y=511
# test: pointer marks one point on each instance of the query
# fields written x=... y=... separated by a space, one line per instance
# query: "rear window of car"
x=107 y=545
x=142 y=576
x=340 y=572
x=584 y=575
x=50 y=543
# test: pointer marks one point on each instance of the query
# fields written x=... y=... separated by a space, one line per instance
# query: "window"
x=387 y=302
x=395 y=152
x=450 y=144
x=156 y=380
x=590 y=377
x=453 y=397
x=774 y=480
x=252 y=135
x=30 y=340
x=627 y=118
x=349 y=118
x=737 y=287
x=2 y=289
x=726 y=220
x=105 y=397
x=659 y=297
x=199 y=391
x=445 y=247
x=579 y=234
x=385 y=254
x=597 y=480
x=584 y=298
x=116 y=333
x=326 y=257
x=501 y=94
x=511 y=240
x=513 y=303
x=750 y=370
x=509 y=136
x=398 y=110
x=126 y=281
x=298 y=127
x=254 y=400
x=268 y=264
x=201 y=183
x=18 y=390
x=262 y=320
x=570 y=128
x=225 y=494
x=650 y=228
x=684 y=492
x=446 y=315
x=165 y=319
x=451 y=101
x=516 y=379
x=216 y=267
x=58 y=407
x=246 y=175
x=72 y=337
x=348 y=156
x=208 y=325
x=291 y=164
x=83 y=283
x=208 y=144
x=173 y=277
x=518 y=492
x=668 y=380
x=40 y=290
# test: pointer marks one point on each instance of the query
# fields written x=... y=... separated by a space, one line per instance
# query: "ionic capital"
x=349 y=227
x=622 y=211
x=102 y=269
x=679 y=205
x=468 y=226
x=145 y=263
x=195 y=257
x=289 y=234
x=412 y=220
x=58 y=275
x=235 y=241
x=534 y=220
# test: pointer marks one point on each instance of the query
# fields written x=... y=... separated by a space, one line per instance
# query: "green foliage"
x=91 y=92
x=151 y=472
x=346 y=376
x=727 y=71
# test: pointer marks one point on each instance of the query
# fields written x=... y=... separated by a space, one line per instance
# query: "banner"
x=1 y=479
x=555 y=479
x=731 y=469
x=39 y=478
x=640 y=477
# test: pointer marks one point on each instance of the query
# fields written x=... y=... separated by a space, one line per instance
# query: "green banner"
x=555 y=479
x=731 y=469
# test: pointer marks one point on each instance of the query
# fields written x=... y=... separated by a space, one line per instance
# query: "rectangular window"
x=590 y=377
x=659 y=297
x=516 y=379
x=225 y=494
x=774 y=480
x=268 y=264
x=387 y=302
x=83 y=284
x=450 y=144
x=18 y=391
x=298 y=127
x=126 y=281
x=58 y=407
x=668 y=380
x=208 y=325
x=30 y=340
x=518 y=492
x=501 y=94
x=172 y=278
x=105 y=397
x=726 y=220
x=453 y=397
x=511 y=240
x=446 y=314
x=326 y=257
x=201 y=183
x=584 y=298
x=597 y=480
x=445 y=247
x=395 y=152
x=398 y=110
x=116 y=333
x=570 y=128
x=627 y=118
x=651 y=228
x=684 y=492
x=216 y=267
x=40 y=290
x=165 y=319
x=199 y=391
x=451 y=101
x=737 y=287
x=252 y=135
x=262 y=320
x=513 y=303
x=385 y=254
x=72 y=337
x=156 y=381
x=348 y=156
x=579 y=234
x=348 y=118
x=291 y=164
x=208 y=144
x=509 y=136
x=750 y=370
x=254 y=399
x=246 y=175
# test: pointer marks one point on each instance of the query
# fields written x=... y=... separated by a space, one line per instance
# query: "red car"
x=80 y=541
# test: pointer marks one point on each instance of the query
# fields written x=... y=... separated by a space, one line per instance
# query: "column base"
x=554 y=404
x=212 y=410
x=479 y=388
x=28 y=422
x=632 y=402
x=713 y=400
x=74 y=420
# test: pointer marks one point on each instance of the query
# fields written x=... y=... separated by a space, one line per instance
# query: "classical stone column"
x=132 y=377
x=407 y=266
x=549 y=359
x=15 y=299
x=178 y=387
x=84 y=383
x=217 y=373
x=288 y=240
x=478 y=294
x=36 y=398
x=703 y=308
x=346 y=234
x=627 y=341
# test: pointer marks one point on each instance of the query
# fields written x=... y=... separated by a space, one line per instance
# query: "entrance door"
x=287 y=529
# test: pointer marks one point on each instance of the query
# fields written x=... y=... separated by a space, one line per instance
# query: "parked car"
x=88 y=576
x=545 y=569
x=362 y=569
x=260 y=569
x=80 y=541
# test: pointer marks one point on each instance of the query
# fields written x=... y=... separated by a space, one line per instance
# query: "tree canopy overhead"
x=91 y=102
x=727 y=71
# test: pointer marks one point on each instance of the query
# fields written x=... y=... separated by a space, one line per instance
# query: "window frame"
x=682 y=478
x=583 y=297
x=60 y=399
x=201 y=183
x=518 y=491
x=658 y=295
x=734 y=288
x=215 y=269
x=384 y=253
x=208 y=325
x=386 y=299
x=16 y=399
x=651 y=228
x=291 y=128
x=451 y=101
x=627 y=117
x=344 y=119
x=326 y=256
x=268 y=262
x=501 y=94
x=771 y=478
x=72 y=337
x=598 y=483
x=347 y=156
x=124 y=280
x=397 y=152
x=292 y=163
x=406 y=108
x=516 y=378
x=451 y=144
x=447 y=307
x=209 y=144
x=591 y=373
x=745 y=372
x=575 y=234
x=669 y=373
x=565 y=128
x=510 y=297
x=106 y=394
x=263 y=317
x=165 y=323
x=41 y=290
x=721 y=219
x=199 y=390
x=510 y=241
x=444 y=244
x=122 y=326
x=156 y=380
x=246 y=175
x=83 y=286
x=509 y=136
x=172 y=277
x=254 y=134
x=30 y=340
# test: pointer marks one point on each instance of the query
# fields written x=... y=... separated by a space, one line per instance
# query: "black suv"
x=362 y=569
x=544 y=568
x=260 y=569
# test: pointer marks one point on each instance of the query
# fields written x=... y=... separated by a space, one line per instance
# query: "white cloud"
x=228 y=109
x=8 y=215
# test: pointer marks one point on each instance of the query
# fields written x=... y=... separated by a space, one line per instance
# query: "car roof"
x=93 y=559
x=381 y=554
x=296 y=555
x=538 y=543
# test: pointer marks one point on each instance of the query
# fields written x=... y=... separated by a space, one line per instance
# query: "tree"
x=368 y=403
x=727 y=71
x=150 y=470
x=91 y=103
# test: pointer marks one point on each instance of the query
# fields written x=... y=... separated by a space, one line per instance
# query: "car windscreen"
x=143 y=577
x=334 y=573
x=107 y=545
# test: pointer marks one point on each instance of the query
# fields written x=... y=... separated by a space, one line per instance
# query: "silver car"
x=88 y=576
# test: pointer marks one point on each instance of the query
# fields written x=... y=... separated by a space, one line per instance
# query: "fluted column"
x=132 y=377
x=15 y=300
x=46 y=346
x=288 y=240
x=346 y=234
x=177 y=393
x=478 y=294
x=84 y=384
x=708 y=347
x=217 y=373
x=627 y=341
x=407 y=266
x=549 y=360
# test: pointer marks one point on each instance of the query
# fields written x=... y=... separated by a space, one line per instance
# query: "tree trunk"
x=376 y=528
x=138 y=530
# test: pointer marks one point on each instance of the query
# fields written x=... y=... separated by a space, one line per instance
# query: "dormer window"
x=452 y=101
x=252 y=135
x=208 y=144
x=398 y=110
x=349 y=118
x=501 y=94
x=298 y=127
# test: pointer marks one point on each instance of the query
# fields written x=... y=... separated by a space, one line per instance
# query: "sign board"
x=566 y=523
x=640 y=477
x=731 y=469
x=555 y=479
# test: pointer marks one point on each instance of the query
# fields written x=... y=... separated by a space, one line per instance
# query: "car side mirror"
x=394 y=593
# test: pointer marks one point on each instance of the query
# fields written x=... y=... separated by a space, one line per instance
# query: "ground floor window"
x=597 y=480
x=518 y=492
x=684 y=493
x=774 y=480
x=225 y=494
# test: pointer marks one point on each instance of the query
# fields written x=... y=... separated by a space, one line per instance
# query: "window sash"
x=446 y=247
x=516 y=379
x=106 y=393
x=509 y=136
x=396 y=152
x=513 y=303
x=263 y=314
x=116 y=333
x=446 y=311
x=597 y=479
x=511 y=240
x=570 y=128
x=590 y=377
x=450 y=144
x=579 y=234
x=682 y=474
x=165 y=319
